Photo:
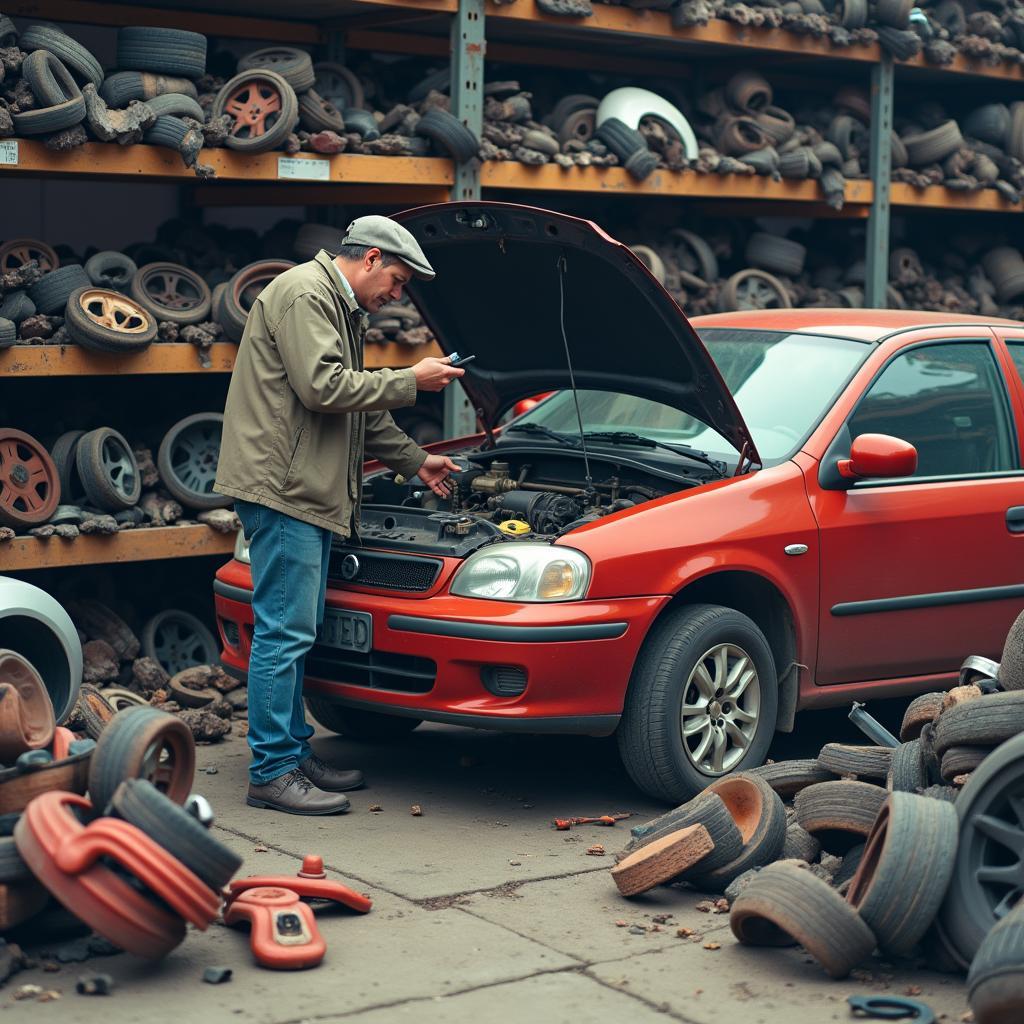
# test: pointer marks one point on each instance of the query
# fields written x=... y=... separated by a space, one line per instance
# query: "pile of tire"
x=917 y=848
x=159 y=870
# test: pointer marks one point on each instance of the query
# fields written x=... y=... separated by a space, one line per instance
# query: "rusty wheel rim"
x=253 y=105
x=171 y=289
x=19 y=251
x=29 y=490
x=114 y=311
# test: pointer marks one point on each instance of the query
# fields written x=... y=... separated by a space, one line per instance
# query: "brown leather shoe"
x=334 y=780
x=294 y=793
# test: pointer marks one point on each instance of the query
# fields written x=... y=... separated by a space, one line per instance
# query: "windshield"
x=782 y=383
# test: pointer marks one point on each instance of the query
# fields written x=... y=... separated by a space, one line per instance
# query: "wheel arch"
x=765 y=604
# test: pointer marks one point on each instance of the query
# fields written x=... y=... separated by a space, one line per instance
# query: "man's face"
x=377 y=285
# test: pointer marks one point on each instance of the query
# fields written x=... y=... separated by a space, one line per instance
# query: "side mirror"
x=878 y=455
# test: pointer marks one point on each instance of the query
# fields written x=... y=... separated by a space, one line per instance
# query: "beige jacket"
x=301 y=409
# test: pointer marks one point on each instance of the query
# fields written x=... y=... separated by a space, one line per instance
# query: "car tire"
x=919 y=713
x=907 y=863
x=71 y=53
x=172 y=292
x=990 y=123
x=16 y=306
x=787 y=778
x=51 y=293
x=364 y=124
x=106 y=320
x=238 y=91
x=753 y=289
x=652 y=747
x=95 y=711
x=984 y=722
x=133 y=746
x=864 y=762
x=786 y=904
x=908 y=773
x=63 y=455
x=338 y=84
x=317 y=114
x=18 y=252
x=848 y=868
x=933 y=146
x=177 y=640
x=773 y=253
x=172 y=104
x=167 y=51
x=111 y=270
x=449 y=134
x=108 y=470
x=233 y=312
x=12 y=867
x=708 y=810
x=1011 y=665
x=29 y=484
x=356 y=724
x=800 y=845
x=962 y=761
x=659 y=862
x=995 y=983
x=141 y=804
x=167 y=131
x=187 y=460
x=8 y=332
x=295 y=66
x=839 y=814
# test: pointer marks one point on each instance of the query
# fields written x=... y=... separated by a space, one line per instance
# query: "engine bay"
x=515 y=492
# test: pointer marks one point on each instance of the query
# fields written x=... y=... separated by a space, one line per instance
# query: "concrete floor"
x=482 y=911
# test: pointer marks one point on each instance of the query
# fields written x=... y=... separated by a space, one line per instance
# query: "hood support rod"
x=563 y=266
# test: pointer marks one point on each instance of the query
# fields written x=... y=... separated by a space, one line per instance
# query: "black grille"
x=504 y=680
x=377 y=670
x=381 y=570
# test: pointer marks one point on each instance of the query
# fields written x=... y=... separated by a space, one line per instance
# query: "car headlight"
x=241 y=548
x=524 y=572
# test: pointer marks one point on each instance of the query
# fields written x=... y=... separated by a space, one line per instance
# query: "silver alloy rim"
x=721 y=709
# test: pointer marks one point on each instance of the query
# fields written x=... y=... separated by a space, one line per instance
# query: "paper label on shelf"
x=303 y=169
x=9 y=152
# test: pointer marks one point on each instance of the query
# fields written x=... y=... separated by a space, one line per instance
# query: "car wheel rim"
x=194 y=456
x=721 y=709
x=994 y=844
x=119 y=466
x=178 y=646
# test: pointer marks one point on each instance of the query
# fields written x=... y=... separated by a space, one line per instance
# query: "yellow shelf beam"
x=938 y=197
x=146 y=545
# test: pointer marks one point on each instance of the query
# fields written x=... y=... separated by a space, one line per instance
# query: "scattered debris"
x=217 y=975
x=375 y=808
x=416 y=811
x=597 y=850
x=95 y=985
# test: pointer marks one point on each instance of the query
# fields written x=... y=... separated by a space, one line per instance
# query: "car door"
x=919 y=572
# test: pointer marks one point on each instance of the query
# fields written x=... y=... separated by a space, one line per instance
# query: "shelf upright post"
x=468 y=46
x=880 y=167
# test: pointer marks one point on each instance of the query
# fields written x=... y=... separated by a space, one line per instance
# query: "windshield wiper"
x=539 y=428
x=627 y=437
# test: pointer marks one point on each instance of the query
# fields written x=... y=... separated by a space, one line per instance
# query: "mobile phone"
x=458 y=360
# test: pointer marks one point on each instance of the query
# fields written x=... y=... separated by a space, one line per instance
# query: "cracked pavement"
x=482 y=910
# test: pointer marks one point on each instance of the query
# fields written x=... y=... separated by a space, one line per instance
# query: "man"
x=300 y=412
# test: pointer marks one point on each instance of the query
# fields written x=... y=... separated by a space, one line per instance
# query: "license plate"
x=349 y=631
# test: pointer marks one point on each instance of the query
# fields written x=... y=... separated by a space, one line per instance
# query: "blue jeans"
x=289 y=573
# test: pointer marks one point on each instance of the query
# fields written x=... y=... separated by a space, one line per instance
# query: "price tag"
x=303 y=170
x=9 y=152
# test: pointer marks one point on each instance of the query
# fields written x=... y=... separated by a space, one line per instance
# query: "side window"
x=949 y=402
x=1017 y=355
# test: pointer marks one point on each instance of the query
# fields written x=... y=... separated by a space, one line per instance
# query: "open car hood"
x=501 y=269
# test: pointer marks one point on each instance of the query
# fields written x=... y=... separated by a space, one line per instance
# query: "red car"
x=706 y=528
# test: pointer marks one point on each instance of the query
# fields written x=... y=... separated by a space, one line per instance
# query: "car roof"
x=862 y=324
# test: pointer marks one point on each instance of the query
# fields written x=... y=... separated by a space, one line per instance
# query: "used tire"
x=108 y=470
x=167 y=131
x=905 y=870
x=753 y=289
x=785 y=905
x=848 y=868
x=662 y=860
x=865 y=762
x=800 y=845
x=48 y=120
x=986 y=879
x=990 y=123
x=17 y=252
x=140 y=803
x=317 y=114
x=95 y=710
x=907 y=773
x=118 y=90
x=176 y=105
x=357 y=724
x=995 y=983
x=987 y=721
x=8 y=332
x=51 y=293
x=759 y=815
x=242 y=291
x=694 y=255
x=12 y=867
x=933 y=146
x=187 y=460
x=178 y=640
x=17 y=306
x=748 y=90
x=263 y=107
x=365 y=124
x=338 y=84
x=852 y=13
x=685 y=662
x=919 y=713
x=71 y=53
x=651 y=260
x=63 y=455
x=50 y=81
x=622 y=140
x=104 y=320
x=191 y=696
x=962 y=761
x=449 y=134
x=1011 y=665
x=1004 y=267
x=168 y=51
x=29 y=485
x=143 y=743
x=839 y=814
x=895 y=13
x=172 y=292
x=770 y=252
x=707 y=810
x=787 y=778
x=111 y=270
x=293 y=65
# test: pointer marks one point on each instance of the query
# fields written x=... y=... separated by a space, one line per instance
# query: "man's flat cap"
x=390 y=237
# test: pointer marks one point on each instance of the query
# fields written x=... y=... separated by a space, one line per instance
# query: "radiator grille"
x=382 y=570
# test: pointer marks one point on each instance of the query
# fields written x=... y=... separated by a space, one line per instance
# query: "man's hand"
x=433 y=374
x=435 y=471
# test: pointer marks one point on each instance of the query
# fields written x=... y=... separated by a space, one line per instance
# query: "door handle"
x=1015 y=519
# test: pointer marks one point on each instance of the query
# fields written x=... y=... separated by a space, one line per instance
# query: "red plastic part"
x=62 y=740
x=284 y=934
x=65 y=856
x=312 y=867
x=309 y=888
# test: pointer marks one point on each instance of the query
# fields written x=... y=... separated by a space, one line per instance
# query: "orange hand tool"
x=284 y=935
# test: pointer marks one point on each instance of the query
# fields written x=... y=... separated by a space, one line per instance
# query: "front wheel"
x=702 y=702
x=357 y=724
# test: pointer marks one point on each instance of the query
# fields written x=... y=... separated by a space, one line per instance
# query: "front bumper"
x=577 y=657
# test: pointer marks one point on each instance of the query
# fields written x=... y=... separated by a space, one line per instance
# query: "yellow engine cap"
x=514 y=527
